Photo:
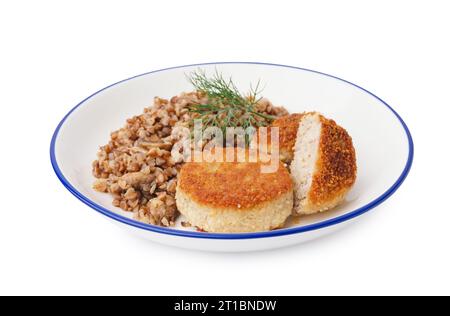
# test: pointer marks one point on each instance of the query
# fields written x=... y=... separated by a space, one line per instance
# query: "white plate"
x=383 y=145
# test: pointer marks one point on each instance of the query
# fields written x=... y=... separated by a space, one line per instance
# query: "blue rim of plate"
x=274 y=233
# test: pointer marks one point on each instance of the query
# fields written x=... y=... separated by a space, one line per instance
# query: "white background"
x=55 y=53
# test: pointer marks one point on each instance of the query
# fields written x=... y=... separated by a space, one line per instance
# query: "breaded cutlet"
x=234 y=196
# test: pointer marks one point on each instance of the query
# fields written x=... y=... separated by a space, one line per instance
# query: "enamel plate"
x=382 y=141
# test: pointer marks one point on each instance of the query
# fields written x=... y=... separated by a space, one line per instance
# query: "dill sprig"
x=226 y=106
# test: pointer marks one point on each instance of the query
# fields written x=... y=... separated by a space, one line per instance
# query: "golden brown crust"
x=239 y=185
x=288 y=127
x=336 y=164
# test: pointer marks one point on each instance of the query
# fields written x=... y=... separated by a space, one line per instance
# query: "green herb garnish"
x=226 y=106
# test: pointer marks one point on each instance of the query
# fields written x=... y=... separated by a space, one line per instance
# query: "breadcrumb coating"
x=288 y=127
x=239 y=185
x=336 y=164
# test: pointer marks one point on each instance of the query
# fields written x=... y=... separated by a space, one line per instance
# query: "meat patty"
x=324 y=165
x=233 y=197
